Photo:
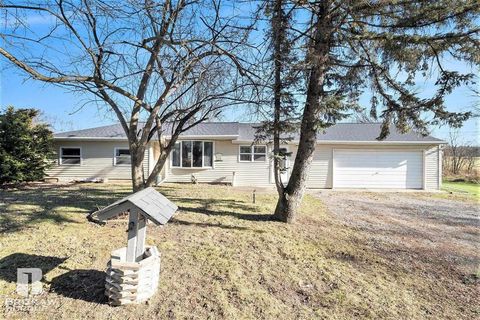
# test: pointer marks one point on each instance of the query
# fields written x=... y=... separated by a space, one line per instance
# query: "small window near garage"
x=192 y=154
x=70 y=156
x=253 y=153
x=122 y=157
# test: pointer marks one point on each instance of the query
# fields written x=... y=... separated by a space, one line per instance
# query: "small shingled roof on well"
x=348 y=132
x=152 y=204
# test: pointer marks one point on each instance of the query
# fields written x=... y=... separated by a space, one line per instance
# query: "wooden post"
x=132 y=234
x=141 y=233
x=137 y=228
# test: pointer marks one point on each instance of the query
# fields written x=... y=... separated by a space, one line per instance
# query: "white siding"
x=97 y=162
x=146 y=163
x=321 y=169
x=246 y=173
x=431 y=168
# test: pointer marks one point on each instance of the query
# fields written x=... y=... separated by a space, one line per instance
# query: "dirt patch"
x=436 y=238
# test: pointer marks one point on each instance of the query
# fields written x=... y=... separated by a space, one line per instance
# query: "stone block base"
x=132 y=282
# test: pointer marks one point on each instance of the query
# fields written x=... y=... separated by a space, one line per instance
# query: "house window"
x=253 y=153
x=192 y=154
x=176 y=155
x=207 y=154
x=122 y=157
x=70 y=156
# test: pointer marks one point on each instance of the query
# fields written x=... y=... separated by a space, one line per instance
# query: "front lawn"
x=221 y=258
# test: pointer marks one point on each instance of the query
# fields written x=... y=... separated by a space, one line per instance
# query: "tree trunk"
x=157 y=168
x=291 y=198
x=287 y=206
x=278 y=35
x=137 y=155
x=137 y=178
x=318 y=57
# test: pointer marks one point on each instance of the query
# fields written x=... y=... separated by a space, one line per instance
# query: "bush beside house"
x=25 y=146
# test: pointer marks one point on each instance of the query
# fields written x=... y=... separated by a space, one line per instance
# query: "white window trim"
x=115 y=157
x=203 y=154
x=242 y=153
x=60 y=154
x=252 y=152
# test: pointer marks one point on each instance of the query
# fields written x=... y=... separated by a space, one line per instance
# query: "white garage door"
x=378 y=169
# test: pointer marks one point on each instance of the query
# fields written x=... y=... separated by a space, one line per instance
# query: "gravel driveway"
x=414 y=230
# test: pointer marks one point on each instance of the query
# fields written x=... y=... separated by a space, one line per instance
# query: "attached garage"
x=378 y=168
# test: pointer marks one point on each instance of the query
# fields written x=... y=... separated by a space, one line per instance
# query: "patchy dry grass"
x=221 y=258
x=450 y=194
x=467 y=188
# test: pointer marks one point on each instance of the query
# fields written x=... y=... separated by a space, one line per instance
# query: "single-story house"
x=347 y=155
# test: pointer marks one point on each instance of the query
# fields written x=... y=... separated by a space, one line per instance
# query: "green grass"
x=221 y=258
x=466 y=188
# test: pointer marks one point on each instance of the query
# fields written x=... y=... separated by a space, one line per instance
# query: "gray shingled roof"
x=348 y=132
x=111 y=131
x=115 y=131
x=213 y=129
x=354 y=132
x=369 y=132
x=152 y=204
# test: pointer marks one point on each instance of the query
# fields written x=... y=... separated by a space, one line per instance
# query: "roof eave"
x=409 y=142
x=90 y=138
x=296 y=142
x=236 y=141
x=213 y=137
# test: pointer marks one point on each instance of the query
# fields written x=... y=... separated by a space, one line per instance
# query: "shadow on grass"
x=10 y=263
x=216 y=207
x=204 y=224
x=22 y=208
x=87 y=285
x=242 y=216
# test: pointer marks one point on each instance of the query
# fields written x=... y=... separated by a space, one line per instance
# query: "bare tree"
x=454 y=152
x=472 y=156
x=161 y=66
x=459 y=156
